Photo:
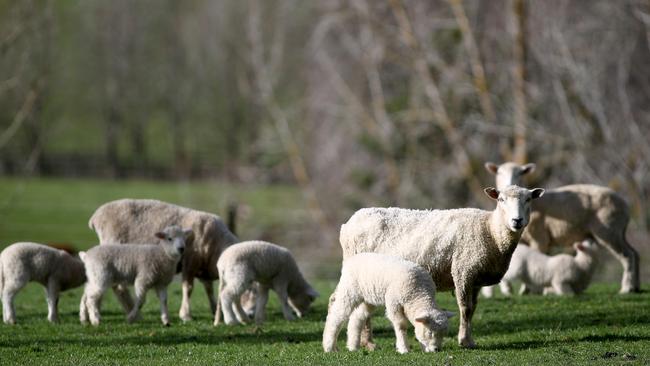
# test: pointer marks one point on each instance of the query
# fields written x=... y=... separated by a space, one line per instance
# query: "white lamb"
x=369 y=280
x=55 y=269
x=145 y=266
x=462 y=249
x=576 y=212
x=561 y=274
x=133 y=220
x=270 y=266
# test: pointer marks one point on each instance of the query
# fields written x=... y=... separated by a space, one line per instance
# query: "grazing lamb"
x=132 y=221
x=145 y=266
x=269 y=266
x=562 y=274
x=369 y=280
x=572 y=213
x=53 y=268
x=462 y=249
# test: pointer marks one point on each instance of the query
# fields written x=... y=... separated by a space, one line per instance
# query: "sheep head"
x=509 y=173
x=173 y=239
x=513 y=204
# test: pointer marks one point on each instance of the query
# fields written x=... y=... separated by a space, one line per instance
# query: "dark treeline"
x=396 y=102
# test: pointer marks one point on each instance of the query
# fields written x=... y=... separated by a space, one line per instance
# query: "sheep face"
x=513 y=204
x=301 y=302
x=173 y=238
x=588 y=247
x=430 y=329
x=509 y=173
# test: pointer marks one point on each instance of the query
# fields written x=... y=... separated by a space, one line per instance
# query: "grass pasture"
x=596 y=328
x=599 y=327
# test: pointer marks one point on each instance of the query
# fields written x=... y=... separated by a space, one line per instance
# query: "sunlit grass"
x=599 y=327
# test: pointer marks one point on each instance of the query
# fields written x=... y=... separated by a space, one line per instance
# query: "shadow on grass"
x=536 y=313
x=211 y=338
x=522 y=345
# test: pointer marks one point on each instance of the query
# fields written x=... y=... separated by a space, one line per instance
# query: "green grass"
x=598 y=327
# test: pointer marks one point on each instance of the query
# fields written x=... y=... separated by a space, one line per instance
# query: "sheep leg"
x=124 y=297
x=283 y=296
x=339 y=311
x=93 y=296
x=239 y=311
x=366 y=336
x=625 y=253
x=466 y=297
x=356 y=322
x=188 y=283
x=209 y=291
x=226 y=297
x=524 y=289
x=506 y=288
x=52 y=292
x=260 y=303
x=400 y=324
x=248 y=300
x=562 y=288
x=164 y=313
x=83 y=309
x=140 y=296
x=488 y=291
x=8 y=309
x=12 y=285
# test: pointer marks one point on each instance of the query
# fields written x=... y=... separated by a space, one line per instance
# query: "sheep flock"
x=392 y=258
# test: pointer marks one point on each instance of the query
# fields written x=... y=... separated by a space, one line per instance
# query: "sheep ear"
x=313 y=294
x=537 y=193
x=580 y=247
x=449 y=314
x=528 y=168
x=491 y=167
x=424 y=319
x=160 y=235
x=492 y=192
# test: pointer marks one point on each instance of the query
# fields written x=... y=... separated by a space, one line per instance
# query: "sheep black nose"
x=181 y=250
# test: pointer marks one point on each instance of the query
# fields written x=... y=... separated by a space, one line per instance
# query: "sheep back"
x=136 y=221
x=435 y=239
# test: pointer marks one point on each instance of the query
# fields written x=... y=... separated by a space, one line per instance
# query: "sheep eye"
x=528 y=199
x=501 y=199
x=169 y=239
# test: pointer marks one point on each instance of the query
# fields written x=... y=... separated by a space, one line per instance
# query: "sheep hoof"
x=370 y=346
x=133 y=318
x=629 y=290
x=467 y=343
x=167 y=324
x=332 y=349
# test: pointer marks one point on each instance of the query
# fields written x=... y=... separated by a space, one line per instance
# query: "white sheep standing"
x=144 y=266
x=561 y=274
x=573 y=213
x=269 y=266
x=406 y=290
x=53 y=268
x=132 y=220
x=462 y=249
